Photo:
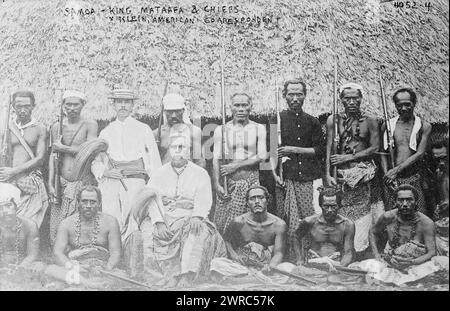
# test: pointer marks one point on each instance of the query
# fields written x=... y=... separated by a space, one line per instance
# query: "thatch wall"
x=45 y=51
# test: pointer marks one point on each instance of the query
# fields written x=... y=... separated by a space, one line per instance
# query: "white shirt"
x=128 y=141
x=191 y=189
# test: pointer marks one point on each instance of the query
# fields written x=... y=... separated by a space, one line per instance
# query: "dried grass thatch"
x=45 y=51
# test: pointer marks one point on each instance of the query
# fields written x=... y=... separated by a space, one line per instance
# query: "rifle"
x=277 y=101
x=335 y=120
x=6 y=147
x=161 y=115
x=57 y=158
x=222 y=102
x=390 y=150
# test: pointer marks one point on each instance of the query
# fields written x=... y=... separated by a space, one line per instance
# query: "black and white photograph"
x=253 y=146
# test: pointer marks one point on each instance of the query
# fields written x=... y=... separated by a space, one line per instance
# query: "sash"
x=75 y=135
x=413 y=138
x=21 y=140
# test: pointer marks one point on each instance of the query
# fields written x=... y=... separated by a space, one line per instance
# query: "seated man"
x=19 y=237
x=89 y=237
x=256 y=238
x=184 y=240
x=329 y=234
x=411 y=244
x=439 y=150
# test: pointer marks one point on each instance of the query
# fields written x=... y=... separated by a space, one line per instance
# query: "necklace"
x=396 y=238
x=18 y=228
x=95 y=231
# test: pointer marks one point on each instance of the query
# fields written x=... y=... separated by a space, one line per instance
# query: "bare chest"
x=327 y=233
x=264 y=235
x=74 y=134
x=30 y=136
x=402 y=134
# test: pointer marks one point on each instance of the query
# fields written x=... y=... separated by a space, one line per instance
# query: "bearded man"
x=302 y=148
x=184 y=240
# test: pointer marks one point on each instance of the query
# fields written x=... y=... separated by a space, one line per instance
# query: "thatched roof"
x=44 y=50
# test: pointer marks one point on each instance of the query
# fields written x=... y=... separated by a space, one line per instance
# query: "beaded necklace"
x=396 y=238
x=95 y=231
x=16 y=242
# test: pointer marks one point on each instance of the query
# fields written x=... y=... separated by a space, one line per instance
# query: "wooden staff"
x=6 y=147
x=277 y=104
x=224 y=138
x=161 y=115
x=390 y=150
x=335 y=119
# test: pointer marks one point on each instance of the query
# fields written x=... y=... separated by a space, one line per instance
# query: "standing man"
x=410 y=137
x=177 y=120
x=130 y=160
x=245 y=148
x=359 y=140
x=75 y=132
x=29 y=141
x=303 y=146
